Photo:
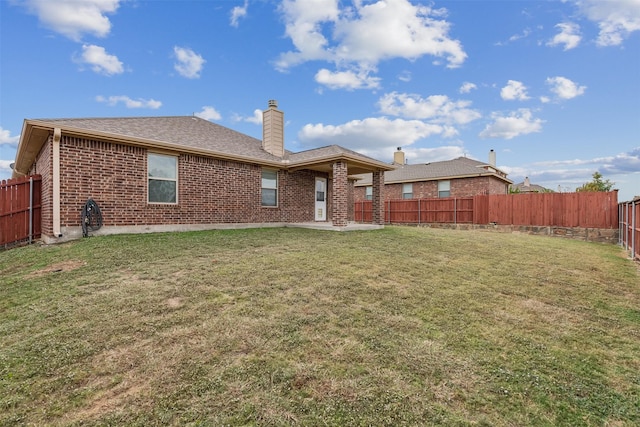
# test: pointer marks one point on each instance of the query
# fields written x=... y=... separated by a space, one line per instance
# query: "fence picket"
x=16 y=206
x=584 y=209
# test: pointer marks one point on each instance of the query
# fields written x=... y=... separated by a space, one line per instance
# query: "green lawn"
x=401 y=326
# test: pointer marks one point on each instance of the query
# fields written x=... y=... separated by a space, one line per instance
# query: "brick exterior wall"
x=340 y=212
x=460 y=187
x=43 y=166
x=378 y=194
x=210 y=190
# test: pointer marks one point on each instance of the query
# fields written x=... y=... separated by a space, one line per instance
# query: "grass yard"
x=401 y=326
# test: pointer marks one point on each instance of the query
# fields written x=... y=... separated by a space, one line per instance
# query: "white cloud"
x=520 y=122
x=370 y=133
x=405 y=76
x=256 y=119
x=73 y=18
x=617 y=19
x=130 y=103
x=100 y=61
x=5 y=169
x=209 y=113
x=346 y=80
x=569 y=36
x=239 y=12
x=428 y=155
x=362 y=35
x=189 y=63
x=565 y=88
x=514 y=90
x=437 y=108
x=467 y=87
x=6 y=138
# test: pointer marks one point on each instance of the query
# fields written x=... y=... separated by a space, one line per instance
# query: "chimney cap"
x=399 y=148
x=273 y=103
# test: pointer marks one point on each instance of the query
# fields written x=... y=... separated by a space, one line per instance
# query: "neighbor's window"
x=444 y=188
x=407 y=191
x=269 y=187
x=163 y=178
x=368 y=192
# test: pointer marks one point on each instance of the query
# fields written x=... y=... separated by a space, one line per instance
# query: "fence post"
x=634 y=227
x=30 y=210
x=419 y=212
x=455 y=210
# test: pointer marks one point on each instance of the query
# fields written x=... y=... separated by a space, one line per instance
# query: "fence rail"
x=629 y=229
x=581 y=209
x=20 y=210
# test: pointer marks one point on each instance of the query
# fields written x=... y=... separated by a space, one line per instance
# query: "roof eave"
x=29 y=125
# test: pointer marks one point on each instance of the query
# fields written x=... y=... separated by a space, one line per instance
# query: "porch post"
x=340 y=210
x=378 y=197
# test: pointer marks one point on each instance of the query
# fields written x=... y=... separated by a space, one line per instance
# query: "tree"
x=597 y=184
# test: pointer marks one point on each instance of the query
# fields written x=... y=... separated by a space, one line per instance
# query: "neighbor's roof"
x=188 y=134
x=531 y=188
x=462 y=167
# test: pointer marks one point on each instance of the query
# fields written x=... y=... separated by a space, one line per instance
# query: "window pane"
x=162 y=166
x=269 y=197
x=162 y=191
x=269 y=179
x=444 y=185
x=444 y=193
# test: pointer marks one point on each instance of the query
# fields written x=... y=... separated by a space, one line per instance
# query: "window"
x=407 y=191
x=163 y=178
x=444 y=188
x=269 y=187
x=368 y=193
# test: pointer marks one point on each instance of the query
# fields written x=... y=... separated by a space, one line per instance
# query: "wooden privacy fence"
x=582 y=209
x=20 y=210
x=629 y=214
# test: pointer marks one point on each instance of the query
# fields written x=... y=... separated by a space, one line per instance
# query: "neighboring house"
x=461 y=177
x=526 y=187
x=185 y=173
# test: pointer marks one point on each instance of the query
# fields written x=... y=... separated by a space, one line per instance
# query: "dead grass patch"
x=58 y=267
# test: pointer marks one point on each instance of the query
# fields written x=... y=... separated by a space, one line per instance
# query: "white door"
x=321 y=199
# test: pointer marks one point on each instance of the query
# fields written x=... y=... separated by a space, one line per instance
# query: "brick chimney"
x=398 y=157
x=492 y=158
x=273 y=129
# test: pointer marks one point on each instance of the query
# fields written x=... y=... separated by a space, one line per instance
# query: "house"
x=185 y=173
x=461 y=177
x=526 y=187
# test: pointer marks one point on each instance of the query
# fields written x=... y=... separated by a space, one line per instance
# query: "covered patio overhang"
x=340 y=163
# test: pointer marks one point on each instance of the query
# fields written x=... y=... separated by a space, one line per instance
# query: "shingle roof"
x=324 y=152
x=200 y=135
x=456 y=168
x=531 y=188
x=186 y=131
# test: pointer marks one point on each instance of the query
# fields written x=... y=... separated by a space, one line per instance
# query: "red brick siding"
x=340 y=197
x=43 y=166
x=460 y=187
x=209 y=190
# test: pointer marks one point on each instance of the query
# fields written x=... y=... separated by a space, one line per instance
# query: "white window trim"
x=277 y=188
x=151 y=153
x=410 y=193
x=368 y=192
x=448 y=190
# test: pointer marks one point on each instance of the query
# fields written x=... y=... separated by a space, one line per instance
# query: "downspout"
x=57 y=134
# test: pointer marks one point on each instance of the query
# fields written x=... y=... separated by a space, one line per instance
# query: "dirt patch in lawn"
x=59 y=267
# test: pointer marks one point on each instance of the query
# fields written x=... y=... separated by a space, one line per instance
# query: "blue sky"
x=552 y=86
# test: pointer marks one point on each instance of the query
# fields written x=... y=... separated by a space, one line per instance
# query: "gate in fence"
x=629 y=231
